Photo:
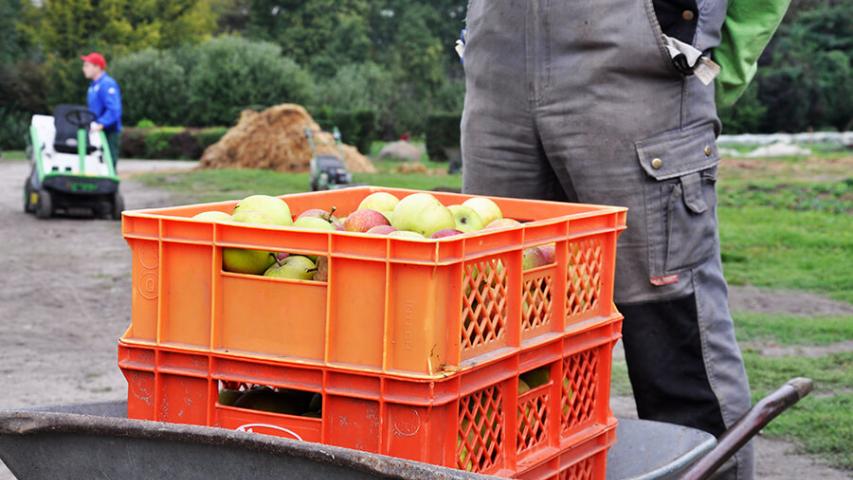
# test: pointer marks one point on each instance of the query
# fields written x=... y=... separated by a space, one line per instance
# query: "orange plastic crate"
x=475 y=420
x=423 y=309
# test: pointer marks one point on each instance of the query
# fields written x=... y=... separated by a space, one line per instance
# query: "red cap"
x=95 y=58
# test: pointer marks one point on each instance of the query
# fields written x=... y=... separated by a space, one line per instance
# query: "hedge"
x=168 y=142
x=357 y=128
x=442 y=133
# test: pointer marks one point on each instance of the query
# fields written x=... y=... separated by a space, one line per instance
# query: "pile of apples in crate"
x=416 y=216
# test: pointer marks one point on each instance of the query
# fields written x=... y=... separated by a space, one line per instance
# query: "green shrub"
x=153 y=86
x=442 y=133
x=208 y=136
x=169 y=142
x=145 y=123
x=232 y=73
x=14 y=127
x=357 y=128
x=132 y=143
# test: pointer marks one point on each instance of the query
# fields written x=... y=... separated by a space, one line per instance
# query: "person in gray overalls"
x=590 y=102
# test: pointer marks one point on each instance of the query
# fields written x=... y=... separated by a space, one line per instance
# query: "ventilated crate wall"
x=475 y=420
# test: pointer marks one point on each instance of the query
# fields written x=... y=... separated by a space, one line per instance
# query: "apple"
x=533 y=257
x=213 y=216
x=549 y=253
x=322 y=273
x=263 y=209
x=251 y=262
x=523 y=387
x=467 y=220
x=422 y=213
x=314 y=223
x=486 y=208
x=294 y=267
x=363 y=220
x=381 y=230
x=406 y=234
x=382 y=202
x=327 y=215
x=448 y=232
x=503 y=223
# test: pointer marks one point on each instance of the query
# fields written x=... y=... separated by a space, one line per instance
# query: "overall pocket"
x=681 y=198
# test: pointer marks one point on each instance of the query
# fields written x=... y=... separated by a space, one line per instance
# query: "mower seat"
x=65 y=140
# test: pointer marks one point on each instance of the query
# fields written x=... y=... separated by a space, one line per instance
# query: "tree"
x=320 y=34
x=66 y=28
x=806 y=80
x=233 y=73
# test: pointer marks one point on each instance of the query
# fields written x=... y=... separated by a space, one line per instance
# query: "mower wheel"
x=28 y=207
x=118 y=206
x=44 y=209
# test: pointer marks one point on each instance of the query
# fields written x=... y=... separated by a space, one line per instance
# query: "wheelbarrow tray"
x=96 y=441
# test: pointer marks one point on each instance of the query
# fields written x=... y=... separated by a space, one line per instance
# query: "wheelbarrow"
x=96 y=441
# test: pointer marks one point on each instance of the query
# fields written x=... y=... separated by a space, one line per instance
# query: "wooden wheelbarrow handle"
x=751 y=423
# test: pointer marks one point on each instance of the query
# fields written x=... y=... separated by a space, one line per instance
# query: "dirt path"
x=64 y=297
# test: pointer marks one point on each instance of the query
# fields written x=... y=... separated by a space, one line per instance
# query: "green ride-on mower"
x=73 y=172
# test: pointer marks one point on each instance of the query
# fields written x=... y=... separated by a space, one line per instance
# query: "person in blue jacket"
x=104 y=100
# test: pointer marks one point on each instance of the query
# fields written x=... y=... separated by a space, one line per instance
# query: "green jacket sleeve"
x=749 y=26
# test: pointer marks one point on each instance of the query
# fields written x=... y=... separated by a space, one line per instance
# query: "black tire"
x=44 y=209
x=28 y=207
x=118 y=206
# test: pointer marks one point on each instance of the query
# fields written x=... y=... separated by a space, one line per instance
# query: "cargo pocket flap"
x=691 y=184
x=675 y=154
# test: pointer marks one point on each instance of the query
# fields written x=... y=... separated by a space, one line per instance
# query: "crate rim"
x=593 y=210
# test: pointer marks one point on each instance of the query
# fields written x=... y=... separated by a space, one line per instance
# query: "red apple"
x=549 y=253
x=382 y=230
x=447 y=232
x=364 y=220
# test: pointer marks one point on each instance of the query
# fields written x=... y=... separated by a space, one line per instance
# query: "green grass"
x=771 y=247
x=14 y=155
x=792 y=329
x=227 y=184
x=822 y=422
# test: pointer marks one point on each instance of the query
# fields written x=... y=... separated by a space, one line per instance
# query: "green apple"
x=422 y=213
x=486 y=208
x=213 y=216
x=523 y=387
x=382 y=202
x=294 y=267
x=251 y=262
x=406 y=234
x=263 y=209
x=467 y=220
x=314 y=223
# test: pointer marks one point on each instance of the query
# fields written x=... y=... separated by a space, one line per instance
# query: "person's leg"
x=621 y=126
x=501 y=153
x=114 y=143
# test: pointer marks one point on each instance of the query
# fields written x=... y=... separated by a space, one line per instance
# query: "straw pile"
x=274 y=139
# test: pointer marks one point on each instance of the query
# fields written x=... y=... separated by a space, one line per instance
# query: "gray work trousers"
x=579 y=101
